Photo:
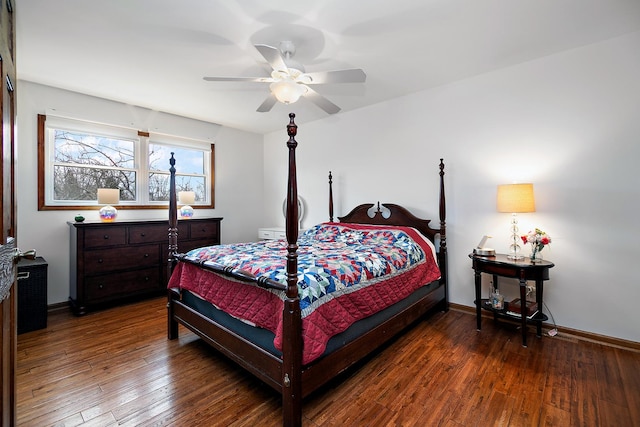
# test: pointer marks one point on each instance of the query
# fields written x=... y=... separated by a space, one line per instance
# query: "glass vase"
x=535 y=256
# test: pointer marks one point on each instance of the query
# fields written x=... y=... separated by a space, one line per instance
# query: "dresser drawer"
x=205 y=230
x=183 y=231
x=148 y=233
x=111 y=286
x=104 y=236
x=104 y=260
x=273 y=233
x=265 y=234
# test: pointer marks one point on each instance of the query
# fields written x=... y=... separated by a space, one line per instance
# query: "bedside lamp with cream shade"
x=515 y=199
x=108 y=197
x=186 y=199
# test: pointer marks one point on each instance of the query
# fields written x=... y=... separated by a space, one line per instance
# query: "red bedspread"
x=346 y=272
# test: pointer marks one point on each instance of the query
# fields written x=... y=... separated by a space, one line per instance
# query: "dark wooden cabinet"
x=32 y=294
x=119 y=261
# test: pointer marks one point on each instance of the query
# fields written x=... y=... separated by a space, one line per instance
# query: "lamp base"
x=515 y=257
x=186 y=212
x=108 y=213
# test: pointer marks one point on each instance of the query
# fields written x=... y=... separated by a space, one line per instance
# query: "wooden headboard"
x=392 y=214
x=397 y=215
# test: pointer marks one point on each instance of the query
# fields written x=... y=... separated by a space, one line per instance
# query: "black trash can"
x=32 y=294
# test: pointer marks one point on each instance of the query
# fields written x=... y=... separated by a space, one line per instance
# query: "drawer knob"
x=106 y=237
x=100 y=261
x=100 y=286
x=142 y=234
x=146 y=255
x=146 y=278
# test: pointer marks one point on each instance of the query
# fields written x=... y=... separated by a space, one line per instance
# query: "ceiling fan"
x=288 y=81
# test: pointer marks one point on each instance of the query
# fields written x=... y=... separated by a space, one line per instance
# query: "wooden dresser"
x=123 y=260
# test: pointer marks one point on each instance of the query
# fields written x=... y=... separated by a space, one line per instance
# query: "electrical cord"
x=553 y=332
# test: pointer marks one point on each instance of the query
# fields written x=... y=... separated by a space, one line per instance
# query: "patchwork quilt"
x=346 y=272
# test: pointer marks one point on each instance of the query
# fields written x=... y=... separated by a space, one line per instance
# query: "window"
x=76 y=158
x=83 y=162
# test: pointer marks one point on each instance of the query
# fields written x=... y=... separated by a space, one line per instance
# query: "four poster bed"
x=296 y=313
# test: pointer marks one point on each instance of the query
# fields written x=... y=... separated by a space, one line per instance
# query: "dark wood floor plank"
x=551 y=416
x=557 y=387
x=584 y=402
x=630 y=371
x=60 y=406
x=116 y=367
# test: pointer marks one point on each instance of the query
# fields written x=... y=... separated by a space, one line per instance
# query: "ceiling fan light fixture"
x=287 y=91
x=289 y=80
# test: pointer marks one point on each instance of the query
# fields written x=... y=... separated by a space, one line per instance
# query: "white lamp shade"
x=516 y=198
x=108 y=196
x=186 y=197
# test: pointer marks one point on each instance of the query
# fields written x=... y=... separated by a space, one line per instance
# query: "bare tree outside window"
x=84 y=163
x=190 y=171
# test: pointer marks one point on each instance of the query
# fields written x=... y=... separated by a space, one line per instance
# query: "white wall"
x=569 y=123
x=238 y=168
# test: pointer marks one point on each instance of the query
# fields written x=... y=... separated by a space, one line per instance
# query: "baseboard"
x=58 y=306
x=565 y=332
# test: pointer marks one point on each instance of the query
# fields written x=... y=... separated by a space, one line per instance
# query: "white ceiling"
x=154 y=53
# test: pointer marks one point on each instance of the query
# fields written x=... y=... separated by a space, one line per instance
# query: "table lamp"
x=186 y=199
x=108 y=197
x=515 y=198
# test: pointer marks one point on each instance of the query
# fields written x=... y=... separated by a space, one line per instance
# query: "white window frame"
x=141 y=141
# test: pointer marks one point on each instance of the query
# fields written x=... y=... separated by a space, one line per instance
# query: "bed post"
x=172 y=326
x=292 y=323
x=330 y=197
x=443 y=238
x=173 y=215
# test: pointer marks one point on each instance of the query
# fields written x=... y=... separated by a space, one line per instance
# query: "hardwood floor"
x=116 y=367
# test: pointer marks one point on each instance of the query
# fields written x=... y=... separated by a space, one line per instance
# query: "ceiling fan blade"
x=239 y=79
x=273 y=57
x=355 y=75
x=321 y=101
x=268 y=104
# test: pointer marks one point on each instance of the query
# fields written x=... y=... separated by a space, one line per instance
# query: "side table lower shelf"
x=504 y=314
